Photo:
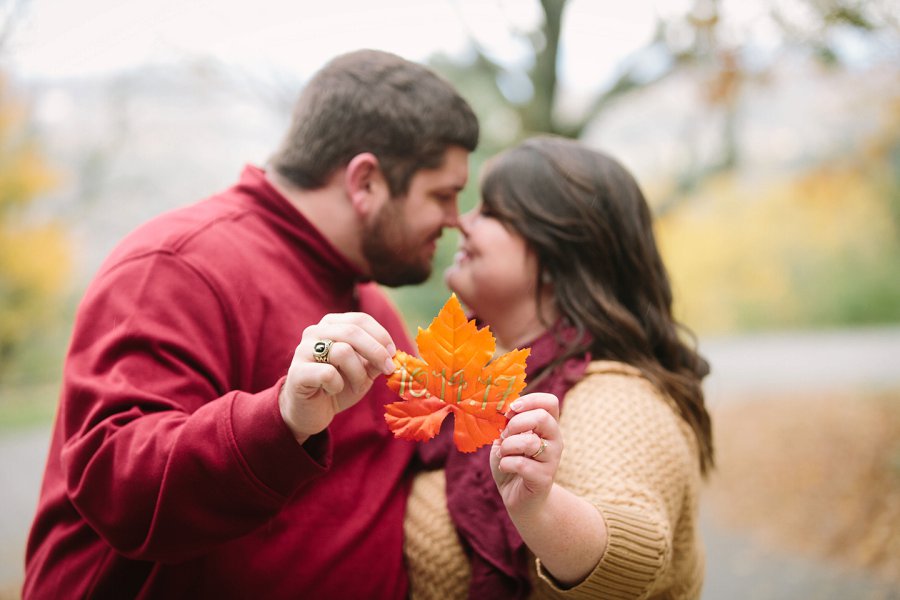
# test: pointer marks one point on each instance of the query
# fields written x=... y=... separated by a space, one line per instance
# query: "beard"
x=395 y=259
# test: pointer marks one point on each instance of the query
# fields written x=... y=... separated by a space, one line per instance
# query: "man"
x=201 y=451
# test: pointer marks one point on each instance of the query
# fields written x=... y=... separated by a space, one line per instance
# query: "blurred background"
x=766 y=135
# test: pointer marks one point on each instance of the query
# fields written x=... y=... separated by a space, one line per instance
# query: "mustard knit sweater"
x=627 y=452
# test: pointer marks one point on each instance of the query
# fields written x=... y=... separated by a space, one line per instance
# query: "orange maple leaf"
x=455 y=374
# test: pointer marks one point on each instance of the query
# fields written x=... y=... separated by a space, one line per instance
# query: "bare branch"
x=538 y=115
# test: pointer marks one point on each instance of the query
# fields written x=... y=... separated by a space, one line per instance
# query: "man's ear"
x=365 y=184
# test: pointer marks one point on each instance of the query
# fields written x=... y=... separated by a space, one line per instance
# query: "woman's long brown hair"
x=586 y=219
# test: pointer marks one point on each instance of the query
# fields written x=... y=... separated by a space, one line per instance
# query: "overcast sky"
x=66 y=38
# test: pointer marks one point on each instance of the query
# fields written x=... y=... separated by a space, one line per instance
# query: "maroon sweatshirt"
x=171 y=473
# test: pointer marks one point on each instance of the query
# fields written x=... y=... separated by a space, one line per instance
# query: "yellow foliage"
x=23 y=172
x=737 y=251
x=34 y=264
x=23 y=175
x=34 y=256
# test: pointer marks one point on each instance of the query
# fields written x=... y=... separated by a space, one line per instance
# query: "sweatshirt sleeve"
x=163 y=456
x=626 y=453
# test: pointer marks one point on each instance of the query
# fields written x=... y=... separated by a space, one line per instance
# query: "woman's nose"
x=465 y=221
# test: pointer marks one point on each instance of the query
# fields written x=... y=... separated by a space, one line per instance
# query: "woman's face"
x=493 y=270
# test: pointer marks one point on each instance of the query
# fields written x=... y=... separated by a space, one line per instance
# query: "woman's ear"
x=365 y=183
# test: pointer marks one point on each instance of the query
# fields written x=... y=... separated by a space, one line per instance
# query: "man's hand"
x=315 y=392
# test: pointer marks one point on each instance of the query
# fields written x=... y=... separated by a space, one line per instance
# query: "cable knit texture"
x=627 y=452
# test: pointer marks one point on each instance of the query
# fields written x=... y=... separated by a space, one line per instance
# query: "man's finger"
x=350 y=365
x=310 y=379
x=359 y=339
x=365 y=322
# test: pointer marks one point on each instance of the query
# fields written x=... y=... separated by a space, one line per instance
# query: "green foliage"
x=27 y=405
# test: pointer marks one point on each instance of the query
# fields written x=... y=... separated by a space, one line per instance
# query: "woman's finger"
x=538 y=420
x=536 y=401
x=525 y=444
x=536 y=475
x=530 y=445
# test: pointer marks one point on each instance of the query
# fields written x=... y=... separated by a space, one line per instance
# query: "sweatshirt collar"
x=324 y=257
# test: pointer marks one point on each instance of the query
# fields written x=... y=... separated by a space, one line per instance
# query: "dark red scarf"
x=499 y=558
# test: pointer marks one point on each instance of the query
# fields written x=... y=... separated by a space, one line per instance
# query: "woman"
x=560 y=256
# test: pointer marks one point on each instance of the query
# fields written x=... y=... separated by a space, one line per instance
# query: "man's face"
x=400 y=239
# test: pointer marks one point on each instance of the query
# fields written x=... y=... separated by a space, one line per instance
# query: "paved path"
x=802 y=361
x=737 y=569
x=22 y=457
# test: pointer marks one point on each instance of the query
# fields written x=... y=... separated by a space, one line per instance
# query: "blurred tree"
x=815 y=247
x=34 y=255
x=684 y=41
x=812 y=245
x=692 y=44
x=819 y=23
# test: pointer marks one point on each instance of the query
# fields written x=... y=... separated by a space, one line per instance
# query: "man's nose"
x=463 y=222
x=451 y=215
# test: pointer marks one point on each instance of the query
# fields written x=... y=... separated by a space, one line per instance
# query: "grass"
x=27 y=405
x=30 y=382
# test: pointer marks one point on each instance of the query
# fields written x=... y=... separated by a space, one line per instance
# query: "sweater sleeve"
x=626 y=453
x=162 y=456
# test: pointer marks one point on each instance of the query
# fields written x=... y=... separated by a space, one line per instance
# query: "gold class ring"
x=321 y=350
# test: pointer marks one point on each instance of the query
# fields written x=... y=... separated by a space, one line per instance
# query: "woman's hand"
x=353 y=350
x=525 y=458
x=565 y=531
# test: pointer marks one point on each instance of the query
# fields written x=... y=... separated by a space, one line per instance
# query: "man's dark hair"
x=372 y=101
